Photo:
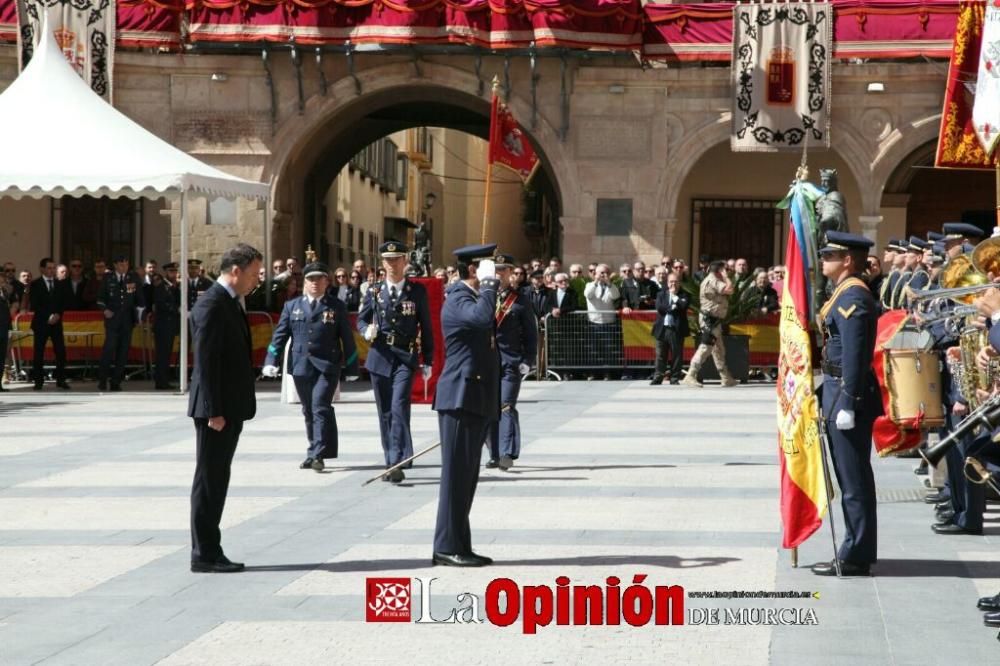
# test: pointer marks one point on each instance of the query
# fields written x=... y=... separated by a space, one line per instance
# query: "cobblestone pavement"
x=615 y=479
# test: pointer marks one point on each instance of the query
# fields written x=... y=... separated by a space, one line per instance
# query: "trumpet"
x=959 y=313
x=986 y=415
x=980 y=476
x=955 y=293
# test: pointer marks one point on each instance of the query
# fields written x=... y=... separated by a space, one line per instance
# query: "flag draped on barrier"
x=781 y=76
x=804 y=497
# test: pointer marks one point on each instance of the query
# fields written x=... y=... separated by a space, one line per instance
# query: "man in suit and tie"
x=562 y=299
x=467 y=400
x=121 y=300
x=394 y=314
x=317 y=327
x=670 y=329
x=149 y=279
x=222 y=399
x=47 y=297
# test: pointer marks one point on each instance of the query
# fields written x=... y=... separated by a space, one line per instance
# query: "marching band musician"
x=850 y=400
x=467 y=400
x=517 y=341
x=393 y=314
x=959 y=237
x=893 y=258
x=317 y=327
x=918 y=278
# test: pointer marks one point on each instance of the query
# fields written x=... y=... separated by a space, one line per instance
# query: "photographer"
x=604 y=328
x=715 y=291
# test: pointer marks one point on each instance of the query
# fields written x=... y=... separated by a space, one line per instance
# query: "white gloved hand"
x=845 y=419
x=269 y=371
x=371 y=332
x=486 y=269
x=524 y=369
x=351 y=378
x=428 y=371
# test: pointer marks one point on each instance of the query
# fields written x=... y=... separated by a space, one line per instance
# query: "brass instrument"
x=964 y=276
x=968 y=377
x=980 y=476
x=987 y=415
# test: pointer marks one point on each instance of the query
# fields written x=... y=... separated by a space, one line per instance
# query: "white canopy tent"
x=70 y=142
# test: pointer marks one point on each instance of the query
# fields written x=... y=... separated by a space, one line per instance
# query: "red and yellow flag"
x=509 y=145
x=803 y=488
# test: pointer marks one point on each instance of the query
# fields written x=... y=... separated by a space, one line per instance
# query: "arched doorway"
x=933 y=196
x=342 y=131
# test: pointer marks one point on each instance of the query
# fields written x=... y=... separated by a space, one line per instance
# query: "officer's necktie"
x=392 y=295
x=48 y=284
x=121 y=280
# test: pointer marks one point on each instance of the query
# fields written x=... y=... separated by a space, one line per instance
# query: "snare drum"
x=913 y=378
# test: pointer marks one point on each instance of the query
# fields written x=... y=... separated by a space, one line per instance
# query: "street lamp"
x=429 y=199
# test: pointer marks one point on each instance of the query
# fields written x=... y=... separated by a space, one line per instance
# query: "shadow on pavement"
x=935 y=569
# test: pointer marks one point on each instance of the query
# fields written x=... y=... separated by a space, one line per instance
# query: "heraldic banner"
x=84 y=31
x=781 y=76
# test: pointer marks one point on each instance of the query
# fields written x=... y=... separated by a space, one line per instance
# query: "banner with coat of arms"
x=781 y=76
x=84 y=31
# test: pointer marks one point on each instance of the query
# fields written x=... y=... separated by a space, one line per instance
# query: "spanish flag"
x=803 y=488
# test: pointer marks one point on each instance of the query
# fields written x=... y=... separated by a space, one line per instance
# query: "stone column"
x=669 y=229
x=869 y=226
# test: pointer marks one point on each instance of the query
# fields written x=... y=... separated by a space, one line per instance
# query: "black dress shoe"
x=456 y=560
x=952 y=528
x=846 y=569
x=38 y=386
x=656 y=380
x=934 y=498
x=992 y=619
x=396 y=476
x=482 y=558
x=306 y=464
x=945 y=516
x=921 y=470
x=492 y=464
x=63 y=385
x=221 y=565
x=989 y=603
x=318 y=465
x=674 y=382
x=506 y=462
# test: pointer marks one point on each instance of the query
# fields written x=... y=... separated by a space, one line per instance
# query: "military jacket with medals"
x=321 y=337
x=517 y=333
x=121 y=297
x=849 y=321
x=196 y=287
x=400 y=322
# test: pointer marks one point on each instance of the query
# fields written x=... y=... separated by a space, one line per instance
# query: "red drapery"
x=149 y=23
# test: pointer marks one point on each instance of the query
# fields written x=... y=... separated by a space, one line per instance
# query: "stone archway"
x=327 y=121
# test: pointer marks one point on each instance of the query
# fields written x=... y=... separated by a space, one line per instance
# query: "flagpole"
x=486 y=203
x=489 y=159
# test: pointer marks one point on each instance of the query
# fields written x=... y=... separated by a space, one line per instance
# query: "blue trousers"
x=505 y=435
x=316 y=395
x=164 y=335
x=462 y=435
x=392 y=401
x=851 y=451
x=117 y=337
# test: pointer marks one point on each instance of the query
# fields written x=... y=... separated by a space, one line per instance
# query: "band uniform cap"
x=917 y=244
x=316 y=268
x=172 y=266
x=959 y=230
x=504 y=260
x=896 y=244
x=391 y=249
x=933 y=236
x=471 y=253
x=537 y=273
x=194 y=262
x=841 y=241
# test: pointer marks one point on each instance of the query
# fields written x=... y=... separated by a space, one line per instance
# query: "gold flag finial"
x=496 y=85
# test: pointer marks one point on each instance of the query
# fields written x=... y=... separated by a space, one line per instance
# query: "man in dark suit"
x=166 y=323
x=395 y=312
x=538 y=294
x=75 y=286
x=222 y=398
x=6 y=318
x=562 y=299
x=322 y=341
x=517 y=342
x=48 y=301
x=149 y=279
x=670 y=329
x=467 y=400
x=121 y=299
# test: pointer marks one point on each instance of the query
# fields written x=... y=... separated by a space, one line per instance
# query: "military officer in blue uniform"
x=166 y=323
x=197 y=284
x=893 y=258
x=850 y=400
x=322 y=341
x=517 y=342
x=467 y=400
x=122 y=302
x=919 y=276
x=394 y=316
x=959 y=238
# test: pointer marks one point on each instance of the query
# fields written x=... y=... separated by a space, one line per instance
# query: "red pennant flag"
x=509 y=146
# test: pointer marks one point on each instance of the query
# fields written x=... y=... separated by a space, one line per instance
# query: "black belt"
x=832 y=370
x=398 y=341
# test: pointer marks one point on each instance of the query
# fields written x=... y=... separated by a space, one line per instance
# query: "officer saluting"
x=322 y=341
x=166 y=322
x=467 y=400
x=120 y=298
x=850 y=400
x=394 y=313
x=517 y=342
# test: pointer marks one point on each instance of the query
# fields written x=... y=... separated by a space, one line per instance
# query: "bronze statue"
x=420 y=256
x=831 y=208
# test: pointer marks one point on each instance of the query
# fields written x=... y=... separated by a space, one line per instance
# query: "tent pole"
x=184 y=295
